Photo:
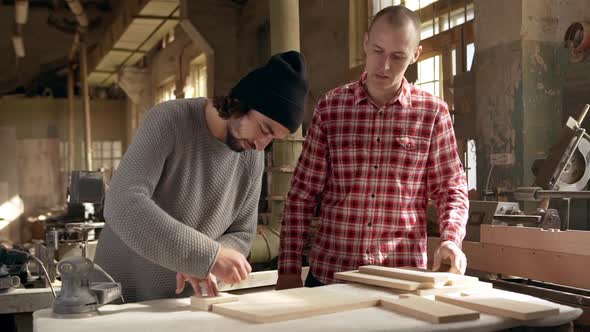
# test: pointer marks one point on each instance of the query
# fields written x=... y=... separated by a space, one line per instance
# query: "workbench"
x=177 y=315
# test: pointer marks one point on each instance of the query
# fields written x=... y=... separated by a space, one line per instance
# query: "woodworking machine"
x=563 y=175
x=74 y=232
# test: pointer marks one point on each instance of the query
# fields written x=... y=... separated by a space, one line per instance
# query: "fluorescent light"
x=21 y=10
x=19 y=46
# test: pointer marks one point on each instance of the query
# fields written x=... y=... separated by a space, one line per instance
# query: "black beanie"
x=276 y=90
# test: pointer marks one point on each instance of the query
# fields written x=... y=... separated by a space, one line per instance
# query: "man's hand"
x=448 y=250
x=287 y=281
x=231 y=266
x=208 y=284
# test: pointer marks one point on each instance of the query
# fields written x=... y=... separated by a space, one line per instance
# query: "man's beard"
x=232 y=142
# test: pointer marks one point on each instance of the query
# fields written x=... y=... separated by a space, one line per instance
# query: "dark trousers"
x=311 y=281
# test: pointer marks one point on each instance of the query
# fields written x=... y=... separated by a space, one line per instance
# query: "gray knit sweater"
x=177 y=196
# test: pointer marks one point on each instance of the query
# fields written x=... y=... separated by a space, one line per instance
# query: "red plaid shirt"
x=375 y=169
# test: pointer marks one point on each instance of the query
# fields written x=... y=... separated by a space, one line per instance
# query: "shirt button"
x=370 y=224
x=375 y=167
x=367 y=252
x=373 y=195
x=378 y=139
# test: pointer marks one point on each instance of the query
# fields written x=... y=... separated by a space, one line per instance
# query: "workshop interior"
x=78 y=77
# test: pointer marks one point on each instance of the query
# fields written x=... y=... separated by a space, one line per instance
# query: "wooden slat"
x=405 y=274
x=206 y=303
x=478 y=285
x=453 y=278
x=500 y=306
x=368 y=279
x=428 y=310
x=571 y=242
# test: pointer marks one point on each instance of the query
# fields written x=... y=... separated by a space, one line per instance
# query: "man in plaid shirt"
x=376 y=151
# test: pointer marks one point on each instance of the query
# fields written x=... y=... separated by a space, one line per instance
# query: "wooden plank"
x=405 y=274
x=499 y=306
x=206 y=303
x=549 y=266
x=428 y=310
x=275 y=306
x=571 y=242
x=453 y=278
x=478 y=285
x=368 y=279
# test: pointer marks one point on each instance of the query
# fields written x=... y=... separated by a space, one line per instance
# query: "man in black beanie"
x=183 y=203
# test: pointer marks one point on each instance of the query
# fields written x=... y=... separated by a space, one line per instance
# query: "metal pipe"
x=75 y=46
x=86 y=93
x=562 y=194
x=80 y=14
x=70 y=117
x=537 y=194
x=583 y=114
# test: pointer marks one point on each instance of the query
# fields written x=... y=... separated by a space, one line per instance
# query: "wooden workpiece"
x=405 y=274
x=477 y=286
x=205 y=303
x=408 y=280
x=419 y=275
x=549 y=266
x=293 y=303
x=369 y=279
x=428 y=310
x=570 y=242
x=495 y=305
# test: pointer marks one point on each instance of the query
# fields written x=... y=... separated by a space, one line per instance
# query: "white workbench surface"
x=173 y=315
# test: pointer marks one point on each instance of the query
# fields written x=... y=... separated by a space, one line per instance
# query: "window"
x=166 y=91
x=417 y=4
x=377 y=5
x=197 y=80
x=436 y=15
x=471 y=165
x=106 y=154
x=430 y=75
x=446 y=16
x=470 y=54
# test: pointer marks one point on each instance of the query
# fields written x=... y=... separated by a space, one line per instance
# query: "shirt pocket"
x=349 y=160
x=409 y=153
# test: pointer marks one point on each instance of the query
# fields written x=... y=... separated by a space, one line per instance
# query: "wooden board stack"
x=413 y=281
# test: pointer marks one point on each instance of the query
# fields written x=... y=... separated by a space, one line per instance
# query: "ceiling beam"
x=156 y=17
x=137 y=50
x=115 y=31
x=128 y=50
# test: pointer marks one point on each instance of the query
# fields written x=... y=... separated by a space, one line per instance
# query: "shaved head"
x=397 y=17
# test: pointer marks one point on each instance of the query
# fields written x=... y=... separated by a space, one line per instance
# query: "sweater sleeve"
x=240 y=234
x=133 y=215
